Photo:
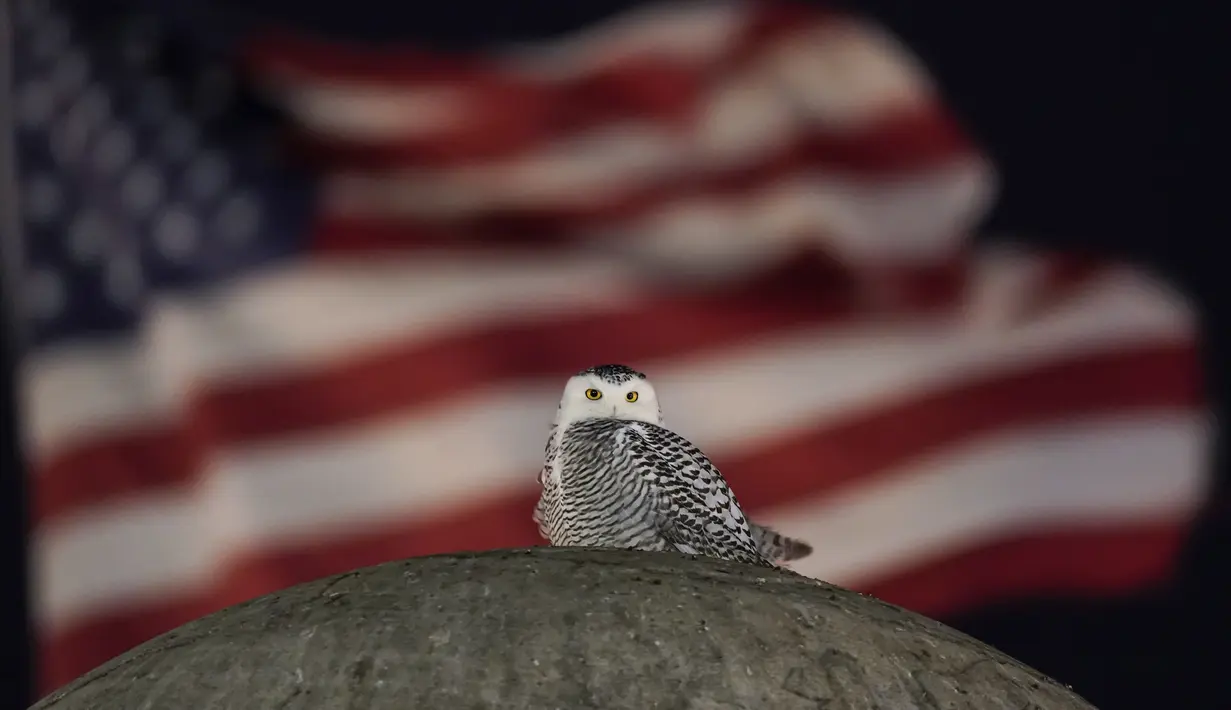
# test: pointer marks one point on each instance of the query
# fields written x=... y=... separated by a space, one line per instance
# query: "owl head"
x=609 y=392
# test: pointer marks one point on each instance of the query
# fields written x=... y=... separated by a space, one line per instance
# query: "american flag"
x=308 y=306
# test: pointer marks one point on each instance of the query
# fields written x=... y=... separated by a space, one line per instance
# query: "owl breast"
x=592 y=493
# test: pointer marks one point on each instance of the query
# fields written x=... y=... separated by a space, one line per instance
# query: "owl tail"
x=778 y=547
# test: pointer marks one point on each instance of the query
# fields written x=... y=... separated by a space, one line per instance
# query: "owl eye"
x=593 y=394
x=631 y=396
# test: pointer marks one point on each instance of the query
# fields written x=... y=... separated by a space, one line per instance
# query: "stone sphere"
x=545 y=628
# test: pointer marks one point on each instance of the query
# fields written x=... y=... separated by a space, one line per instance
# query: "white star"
x=71 y=133
x=68 y=139
x=94 y=106
x=141 y=190
x=88 y=236
x=114 y=150
x=176 y=232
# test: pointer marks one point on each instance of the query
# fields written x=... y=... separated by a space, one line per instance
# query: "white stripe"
x=845 y=74
x=78 y=393
x=490 y=443
x=1005 y=279
x=915 y=220
x=1129 y=469
x=370 y=114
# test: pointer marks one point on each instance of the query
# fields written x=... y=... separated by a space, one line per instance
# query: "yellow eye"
x=631 y=396
x=593 y=394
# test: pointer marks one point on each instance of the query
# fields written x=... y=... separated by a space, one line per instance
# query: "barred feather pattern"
x=776 y=546
x=636 y=485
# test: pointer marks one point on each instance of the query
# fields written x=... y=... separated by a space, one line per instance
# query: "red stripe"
x=119 y=466
x=1063 y=275
x=1093 y=562
x=1088 y=561
x=902 y=141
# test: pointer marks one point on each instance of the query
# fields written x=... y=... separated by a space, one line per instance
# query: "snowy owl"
x=613 y=476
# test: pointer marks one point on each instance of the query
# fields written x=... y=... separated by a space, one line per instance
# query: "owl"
x=614 y=476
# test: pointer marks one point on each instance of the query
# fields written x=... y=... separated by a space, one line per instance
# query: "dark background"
x=1105 y=121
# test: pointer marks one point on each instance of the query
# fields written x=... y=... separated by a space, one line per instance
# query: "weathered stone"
x=565 y=628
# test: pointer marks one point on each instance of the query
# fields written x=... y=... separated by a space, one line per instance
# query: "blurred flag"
x=254 y=368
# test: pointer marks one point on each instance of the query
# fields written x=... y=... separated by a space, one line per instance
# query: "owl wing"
x=697 y=512
x=538 y=517
x=540 y=514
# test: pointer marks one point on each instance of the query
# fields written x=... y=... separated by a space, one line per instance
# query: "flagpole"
x=16 y=642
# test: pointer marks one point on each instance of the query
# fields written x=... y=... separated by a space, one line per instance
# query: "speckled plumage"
x=613 y=476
